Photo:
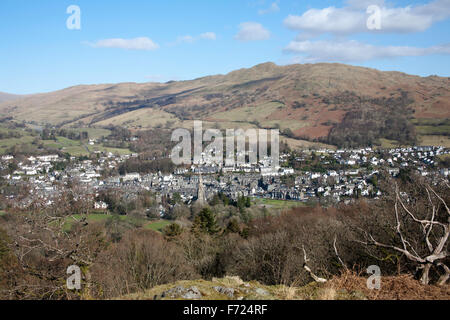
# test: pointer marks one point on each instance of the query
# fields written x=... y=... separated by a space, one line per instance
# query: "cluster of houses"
x=47 y=178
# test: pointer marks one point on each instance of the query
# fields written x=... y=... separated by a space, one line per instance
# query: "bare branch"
x=308 y=269
x=337 y=254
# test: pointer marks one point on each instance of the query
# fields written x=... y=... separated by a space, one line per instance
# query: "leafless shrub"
x=140 y=261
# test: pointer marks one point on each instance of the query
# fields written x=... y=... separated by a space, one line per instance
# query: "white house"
x=100 y=205
x=49 y=158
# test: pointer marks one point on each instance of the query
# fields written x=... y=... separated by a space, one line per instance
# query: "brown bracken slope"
x=314 y=101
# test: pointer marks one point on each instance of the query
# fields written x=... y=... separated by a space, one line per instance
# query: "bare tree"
x=422 y=231
x=308 y=269
x=44 y=249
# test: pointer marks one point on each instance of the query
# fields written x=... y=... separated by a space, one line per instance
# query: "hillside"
x=8 y=97
x=334 y=103
x=347 y=286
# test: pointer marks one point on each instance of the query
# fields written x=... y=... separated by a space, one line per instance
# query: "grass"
x=387 y=144
x=423 y=140
x=79 y=148
x=433 y=130
x=248 y=113
x=118 y=151
x=101 y=217
x=265 y=114
x=245 y=290
x=431 y=122
x=278 y=204
x=95 y=217
x=300 y=144
x=145 y=118
x=435 y=141
x=62 y=143
x=346 y=286
x=8 y=143
x=73 y=147
x=76 y=151
x=157 y=225
x=94 y=133
x=2 y=213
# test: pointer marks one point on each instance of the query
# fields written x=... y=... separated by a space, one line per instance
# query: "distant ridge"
x=332 y=103
x=8 y=97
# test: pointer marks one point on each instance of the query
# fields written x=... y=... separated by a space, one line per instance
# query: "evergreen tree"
x=206 y=222
x=173 y=230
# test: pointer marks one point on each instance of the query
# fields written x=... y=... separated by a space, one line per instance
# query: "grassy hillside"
x=348 y=286
x=310 y=100
x=8 y=97
x=12 y=136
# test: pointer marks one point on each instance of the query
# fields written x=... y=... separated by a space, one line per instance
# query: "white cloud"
x=208 y=36
x=333 y=20
x=142 y=43
x=353 y=18
x=363 y=4
x=354 y=51
x=272 y=9
x=252 y=31
x=192 y=39
x=186 y=39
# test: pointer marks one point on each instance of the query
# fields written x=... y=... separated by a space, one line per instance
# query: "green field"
x=60 y=143
x=435 y=141
x=145 y=118
x=431 y=122
x=2 y=213
x=387 y=144
x=118 y=151
x=94 y=133
x=73 y=147
x=5 y=144
x=278 y=204
x=78 y=148
x=433 y=130
x=157 y=225
x=265 y=114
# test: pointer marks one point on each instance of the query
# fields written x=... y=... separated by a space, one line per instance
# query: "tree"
x=173 y=230
x=422 y=228
x=8 y=267
x=233 y=226
x=205 y=222
x=248 y=202
x=43 y=249
x=176 y=198
x=243 y=202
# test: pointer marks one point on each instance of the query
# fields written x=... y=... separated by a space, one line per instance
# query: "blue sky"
x=141 y=41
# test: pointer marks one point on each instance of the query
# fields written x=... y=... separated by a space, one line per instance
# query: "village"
x=342 y=175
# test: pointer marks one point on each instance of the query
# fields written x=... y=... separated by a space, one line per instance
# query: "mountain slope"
x=314 y=101
x=347 y=286
x=8 y=97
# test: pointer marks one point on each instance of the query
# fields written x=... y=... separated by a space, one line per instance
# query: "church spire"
x=201 y=198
